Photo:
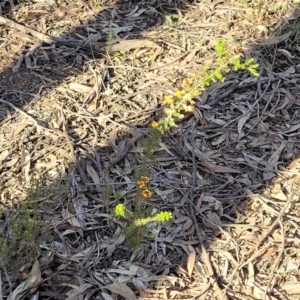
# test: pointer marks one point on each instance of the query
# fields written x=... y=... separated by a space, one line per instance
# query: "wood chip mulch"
x=80 y=84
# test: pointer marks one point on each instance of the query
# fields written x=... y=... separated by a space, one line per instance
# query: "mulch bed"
x=80 y=84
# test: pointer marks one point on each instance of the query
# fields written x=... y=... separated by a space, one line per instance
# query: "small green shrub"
x=136 y=220
x=176 y=105
x=182 y=101
x=26 y=228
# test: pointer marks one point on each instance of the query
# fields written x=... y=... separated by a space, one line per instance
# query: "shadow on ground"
x=243 y=133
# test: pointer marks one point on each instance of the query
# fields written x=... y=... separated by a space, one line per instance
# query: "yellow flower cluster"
x=120 y=210
x=142 y=181
x=169 y=99
x=186 y=82
x=182 y=100
x=163 y=216
x=180 y=93
x=146 y=193
x=142 y=222
x=141 y=184
x=177 y=105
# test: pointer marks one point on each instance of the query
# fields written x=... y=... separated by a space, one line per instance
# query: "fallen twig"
x=126 y=149
x=275 y=265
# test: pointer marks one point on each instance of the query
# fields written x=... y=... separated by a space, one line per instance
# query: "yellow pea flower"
x=141 y=184
x=146 y=193
x=180 y=93
x=154 y=124
x=144 y=178
x=169 y=99
x=187 y=82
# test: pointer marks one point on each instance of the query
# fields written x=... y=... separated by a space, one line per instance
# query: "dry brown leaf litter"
x=242 y=134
